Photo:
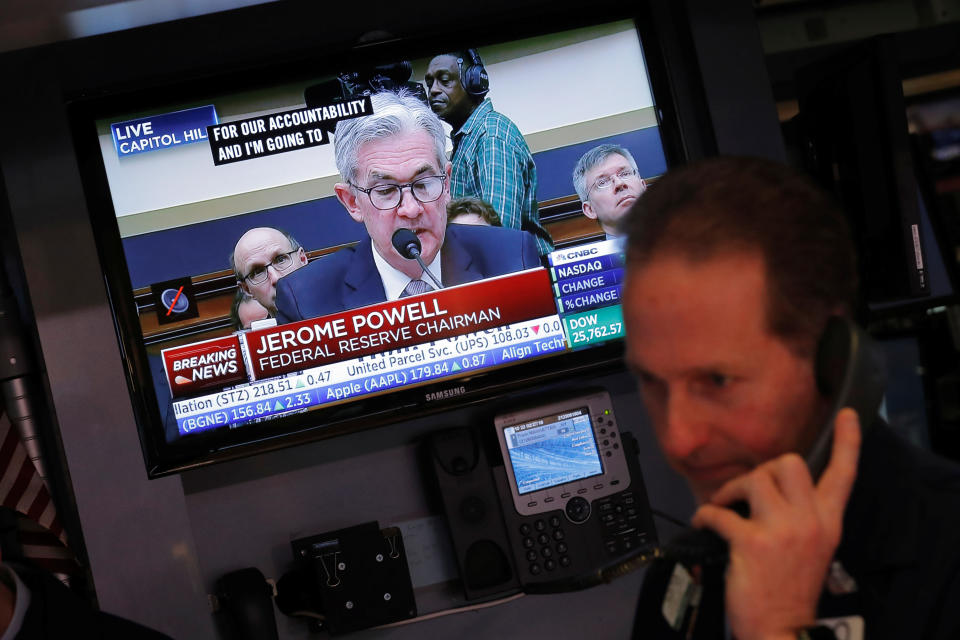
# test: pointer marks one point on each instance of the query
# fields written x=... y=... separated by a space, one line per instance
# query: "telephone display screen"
x=553 y=450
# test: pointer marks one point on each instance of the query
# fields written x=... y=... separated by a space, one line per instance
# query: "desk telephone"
x=559 y=504
x=849 y=371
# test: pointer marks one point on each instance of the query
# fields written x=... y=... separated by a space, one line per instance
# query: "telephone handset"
x=849 y=370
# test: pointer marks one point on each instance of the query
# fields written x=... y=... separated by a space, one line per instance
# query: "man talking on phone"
x=734 y=266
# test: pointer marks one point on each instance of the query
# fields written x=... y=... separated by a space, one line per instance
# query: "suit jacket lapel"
x=362 y=284
x=457 y=263
x=881 y=522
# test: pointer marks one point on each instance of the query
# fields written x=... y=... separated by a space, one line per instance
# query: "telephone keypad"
x=548 y=546
x=622 y=525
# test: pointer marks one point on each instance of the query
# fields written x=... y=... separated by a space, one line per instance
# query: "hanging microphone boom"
x=408 y=245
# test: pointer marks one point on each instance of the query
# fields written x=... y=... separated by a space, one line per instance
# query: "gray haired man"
x=394 y=175
x=608 y=183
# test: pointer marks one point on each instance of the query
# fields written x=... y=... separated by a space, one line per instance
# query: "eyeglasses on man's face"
x=281 y=263
x=605 y=182
x=389 y=196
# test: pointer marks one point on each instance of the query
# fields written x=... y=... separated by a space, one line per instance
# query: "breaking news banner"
x=370 y=375
x=163 y=131
x=275 y=351
x=201 y=366
x=431 y=316
x=281 y=132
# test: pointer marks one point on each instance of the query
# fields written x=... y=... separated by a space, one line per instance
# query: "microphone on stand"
x=407 y=245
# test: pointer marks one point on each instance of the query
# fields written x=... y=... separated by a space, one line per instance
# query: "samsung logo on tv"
x=446 y=393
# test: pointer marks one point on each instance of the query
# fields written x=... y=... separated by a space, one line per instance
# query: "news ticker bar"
x=369 y=375
x=591 y=327
x=436 y=315
x=587 y=284
x=590 y=314
x=268 y=353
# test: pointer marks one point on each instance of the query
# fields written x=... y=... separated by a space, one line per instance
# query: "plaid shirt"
x=492 y=161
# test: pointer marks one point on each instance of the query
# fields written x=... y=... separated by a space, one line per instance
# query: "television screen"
x=264 y=296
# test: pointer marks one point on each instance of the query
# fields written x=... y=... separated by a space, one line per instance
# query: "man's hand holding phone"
x=780 y=555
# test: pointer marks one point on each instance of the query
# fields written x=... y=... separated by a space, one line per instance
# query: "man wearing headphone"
x=491 y=159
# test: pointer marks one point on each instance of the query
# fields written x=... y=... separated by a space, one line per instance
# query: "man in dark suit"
x=735 y=268
x=396 y=176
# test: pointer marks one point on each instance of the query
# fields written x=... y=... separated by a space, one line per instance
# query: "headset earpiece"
x=473 y=76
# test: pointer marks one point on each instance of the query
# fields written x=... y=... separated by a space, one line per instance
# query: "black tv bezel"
x=162 y=458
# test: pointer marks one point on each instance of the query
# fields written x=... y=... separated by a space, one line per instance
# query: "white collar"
x=395 y=281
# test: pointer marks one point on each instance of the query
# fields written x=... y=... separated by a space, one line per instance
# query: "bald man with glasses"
x=260 y=258
x=395 y=175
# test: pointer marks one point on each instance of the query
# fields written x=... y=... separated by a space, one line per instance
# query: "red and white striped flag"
x=22 y=489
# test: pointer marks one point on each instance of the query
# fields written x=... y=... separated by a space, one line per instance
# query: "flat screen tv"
x=176 y=174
